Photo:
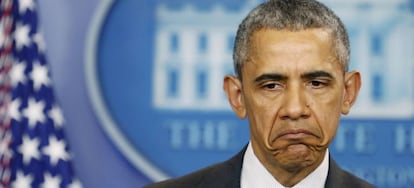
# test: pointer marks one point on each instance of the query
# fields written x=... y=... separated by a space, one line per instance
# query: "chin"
x=297 y=157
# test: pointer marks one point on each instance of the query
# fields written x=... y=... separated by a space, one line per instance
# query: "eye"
x=317 y=84
x=272 y=86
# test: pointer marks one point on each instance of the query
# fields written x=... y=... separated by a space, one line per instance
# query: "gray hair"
x=293 y=15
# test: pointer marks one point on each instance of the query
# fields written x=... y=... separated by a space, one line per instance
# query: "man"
x=292 y=83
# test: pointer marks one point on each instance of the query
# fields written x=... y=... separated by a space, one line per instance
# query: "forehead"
x=268 y=39
x=283 y=49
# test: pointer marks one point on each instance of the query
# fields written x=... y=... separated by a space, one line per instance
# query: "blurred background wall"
x=132 y=127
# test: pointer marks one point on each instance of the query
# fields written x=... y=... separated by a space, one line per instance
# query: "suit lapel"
x=226 y=174
x=334 y=178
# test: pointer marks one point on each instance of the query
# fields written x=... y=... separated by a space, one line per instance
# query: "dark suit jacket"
x=227 y=175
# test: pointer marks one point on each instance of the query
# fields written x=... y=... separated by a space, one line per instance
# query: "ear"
x=352 y=86
x=233 y=88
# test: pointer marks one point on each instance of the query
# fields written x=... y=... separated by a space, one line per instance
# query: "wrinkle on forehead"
x=294 y=43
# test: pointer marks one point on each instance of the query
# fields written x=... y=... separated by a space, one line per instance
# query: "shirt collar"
x=254 y=174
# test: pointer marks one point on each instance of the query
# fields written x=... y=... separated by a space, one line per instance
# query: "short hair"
x=292 y=15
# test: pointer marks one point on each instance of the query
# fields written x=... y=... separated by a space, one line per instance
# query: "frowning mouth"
x=295 y=134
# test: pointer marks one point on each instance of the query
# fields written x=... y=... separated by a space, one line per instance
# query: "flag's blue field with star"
x=36 y=153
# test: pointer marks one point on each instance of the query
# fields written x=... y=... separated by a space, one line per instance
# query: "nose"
x=294 y=105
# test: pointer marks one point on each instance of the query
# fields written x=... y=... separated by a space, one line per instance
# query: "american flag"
x=33 y=149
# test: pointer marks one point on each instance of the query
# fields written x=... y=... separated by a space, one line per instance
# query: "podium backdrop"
x=140 y=85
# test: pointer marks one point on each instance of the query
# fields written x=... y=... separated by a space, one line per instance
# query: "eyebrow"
x=271 y=76
x=279 y=77
x=316 y=74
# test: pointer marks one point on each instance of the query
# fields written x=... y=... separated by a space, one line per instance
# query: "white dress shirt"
x=255 y=175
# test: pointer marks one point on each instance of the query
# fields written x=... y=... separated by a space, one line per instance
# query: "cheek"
x=262 y=114
x=327 y=112
x=328 y=102
x=329 y=124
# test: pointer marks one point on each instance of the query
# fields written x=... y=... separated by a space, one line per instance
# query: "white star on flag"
x=26 y=4
x=22 y=181
x=21 y=36
x=17 y=74
x=13 y=109
x=40 y=41
x=39 y=75
x=51 y=181
x=34 y=112
x=75 y=184
x=56 y=150
x=56 y=115
x=29 y=149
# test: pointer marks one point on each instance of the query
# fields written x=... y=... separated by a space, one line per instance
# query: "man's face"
x=293 y=93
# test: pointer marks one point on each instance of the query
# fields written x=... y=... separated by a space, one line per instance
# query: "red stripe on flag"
x=6 y=26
